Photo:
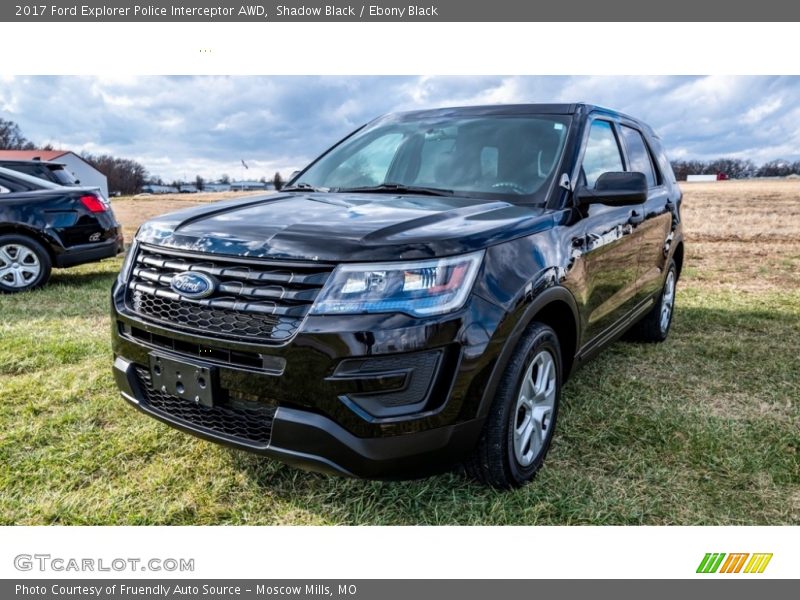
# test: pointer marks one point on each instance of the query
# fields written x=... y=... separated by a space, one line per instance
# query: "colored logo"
x=193 y=285
x=741 y=562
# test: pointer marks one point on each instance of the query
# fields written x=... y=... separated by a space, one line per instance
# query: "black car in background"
x=49 y=171
x=415 y=297
x=45 y=225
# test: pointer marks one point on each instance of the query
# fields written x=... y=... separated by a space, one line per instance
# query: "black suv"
x=49 y=171
x=415 y=297
x=44 y=225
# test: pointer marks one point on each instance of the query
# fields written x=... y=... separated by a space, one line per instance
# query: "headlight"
x=125 y=271
x=420 y=289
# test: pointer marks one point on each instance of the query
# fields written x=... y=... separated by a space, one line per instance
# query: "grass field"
x=703 y=429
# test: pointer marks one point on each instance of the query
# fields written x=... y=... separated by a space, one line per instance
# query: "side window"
x=602 y=152
x=638 y=154
x=32 y=170
x=7 y=186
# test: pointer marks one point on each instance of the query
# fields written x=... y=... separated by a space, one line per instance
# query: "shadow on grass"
x=595 y=389
x=82 y=279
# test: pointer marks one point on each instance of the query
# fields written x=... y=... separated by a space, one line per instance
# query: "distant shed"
x=695 y=178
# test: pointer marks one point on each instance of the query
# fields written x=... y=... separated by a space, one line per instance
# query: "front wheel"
x=522 y=418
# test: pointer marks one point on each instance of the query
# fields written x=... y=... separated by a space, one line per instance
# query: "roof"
x=32 y=154
x=490 y=109
x=514 y=109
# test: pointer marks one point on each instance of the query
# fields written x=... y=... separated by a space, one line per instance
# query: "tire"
x=24 y=264
x=500 y=459
x=655 y=325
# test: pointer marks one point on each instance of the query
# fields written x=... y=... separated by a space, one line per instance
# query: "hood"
x=344 y=227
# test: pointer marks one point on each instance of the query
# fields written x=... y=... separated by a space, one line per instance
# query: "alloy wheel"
x=534 y=408
x=667 y=301
x=19 y=265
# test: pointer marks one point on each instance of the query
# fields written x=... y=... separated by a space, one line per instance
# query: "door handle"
x=636 y=217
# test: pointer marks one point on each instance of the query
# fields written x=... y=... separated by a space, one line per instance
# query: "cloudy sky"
x=179 y=127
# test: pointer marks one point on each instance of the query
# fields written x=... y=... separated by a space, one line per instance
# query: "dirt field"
x=739 y=232
x=132 y=211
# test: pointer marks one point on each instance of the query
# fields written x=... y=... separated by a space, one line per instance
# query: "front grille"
x=264 y=301
x=247 y=421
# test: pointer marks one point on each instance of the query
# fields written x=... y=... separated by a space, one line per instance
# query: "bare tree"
x=124 y=175
x=11 y=137
x=277 y=181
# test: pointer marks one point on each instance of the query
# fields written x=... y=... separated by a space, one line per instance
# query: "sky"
x=180 y=127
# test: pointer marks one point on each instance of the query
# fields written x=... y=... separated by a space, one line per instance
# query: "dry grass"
x=743 y=235
x=132 y=211
x=753 y=210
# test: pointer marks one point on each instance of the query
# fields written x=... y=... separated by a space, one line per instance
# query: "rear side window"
x=602 y=152
x=11 y=186
x=638 y=155
x=32 y=170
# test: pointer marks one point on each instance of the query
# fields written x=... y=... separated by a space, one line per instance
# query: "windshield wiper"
x=396 y=188
x=302 y=187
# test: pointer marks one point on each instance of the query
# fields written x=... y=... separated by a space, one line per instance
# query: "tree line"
x=735 y=168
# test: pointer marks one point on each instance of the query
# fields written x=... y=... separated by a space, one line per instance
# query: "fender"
x=47 y=238
x=526 y=314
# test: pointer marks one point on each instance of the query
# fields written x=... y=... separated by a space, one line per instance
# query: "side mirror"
x=615 y=189
x=293 y=175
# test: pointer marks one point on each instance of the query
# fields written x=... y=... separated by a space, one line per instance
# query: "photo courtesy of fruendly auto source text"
x=403 y=267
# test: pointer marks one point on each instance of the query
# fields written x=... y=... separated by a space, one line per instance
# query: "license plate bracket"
x=193 y=381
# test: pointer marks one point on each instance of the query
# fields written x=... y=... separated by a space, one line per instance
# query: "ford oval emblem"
x=193 y=285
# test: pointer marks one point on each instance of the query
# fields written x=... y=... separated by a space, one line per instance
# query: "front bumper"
x=331 y=402
x=312 y=441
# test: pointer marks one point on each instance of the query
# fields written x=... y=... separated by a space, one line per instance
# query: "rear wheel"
x=522 y=418
x=24 y=264
x=655 y=325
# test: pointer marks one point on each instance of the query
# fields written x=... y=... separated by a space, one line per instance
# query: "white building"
x=83 y=171
x=217 y=187
x=694 y=178
x=155 y=188
x=244 y=186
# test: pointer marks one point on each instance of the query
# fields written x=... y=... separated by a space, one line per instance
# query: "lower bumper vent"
x=251 y=424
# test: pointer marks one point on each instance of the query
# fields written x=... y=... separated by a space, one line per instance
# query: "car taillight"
x=93 y=203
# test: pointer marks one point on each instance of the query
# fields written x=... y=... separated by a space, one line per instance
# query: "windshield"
x=504 y=157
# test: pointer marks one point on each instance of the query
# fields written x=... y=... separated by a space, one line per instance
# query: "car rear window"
x=62 y=176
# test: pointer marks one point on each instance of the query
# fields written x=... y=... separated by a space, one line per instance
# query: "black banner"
x=399 y=10
x=398 y=589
